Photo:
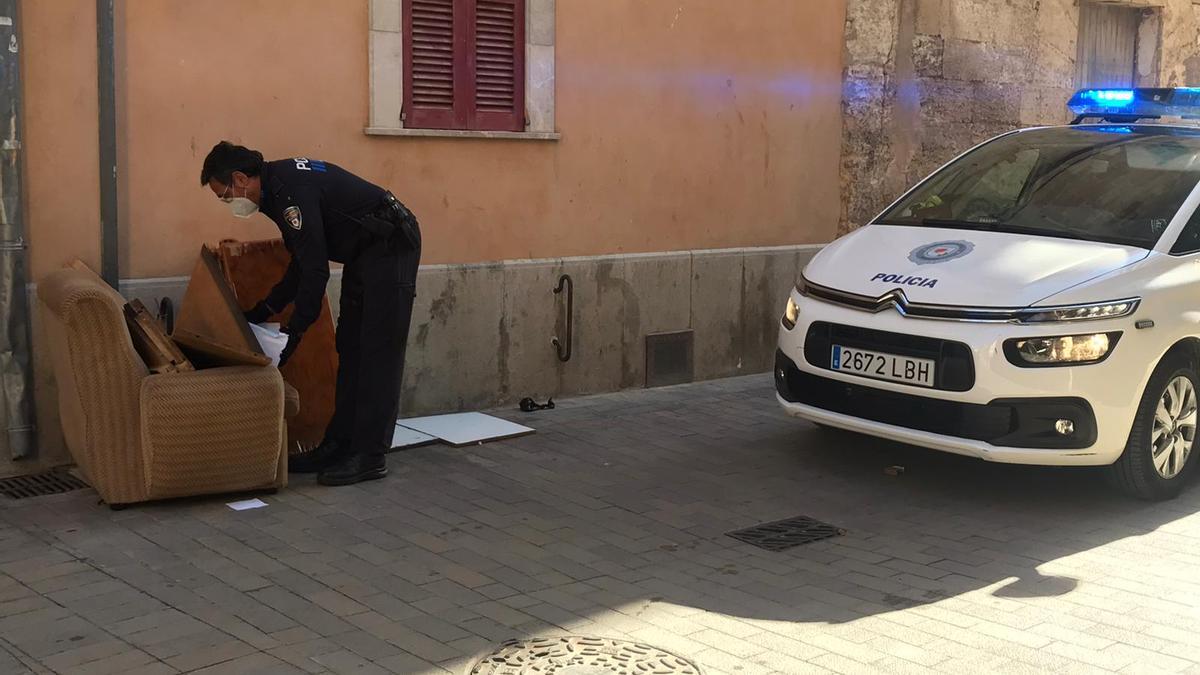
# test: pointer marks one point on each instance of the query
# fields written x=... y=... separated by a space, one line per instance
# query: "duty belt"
x=391 y=219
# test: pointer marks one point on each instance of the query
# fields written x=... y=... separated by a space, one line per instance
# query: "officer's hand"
x=258 y=313
x=292 y=343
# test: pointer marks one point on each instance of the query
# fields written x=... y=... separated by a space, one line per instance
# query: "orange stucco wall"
x=62 y=183
x=685 y=124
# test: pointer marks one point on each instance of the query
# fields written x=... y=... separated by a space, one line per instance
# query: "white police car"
x=1034 y=301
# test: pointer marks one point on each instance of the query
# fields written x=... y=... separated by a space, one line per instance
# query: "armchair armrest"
x=212 y=431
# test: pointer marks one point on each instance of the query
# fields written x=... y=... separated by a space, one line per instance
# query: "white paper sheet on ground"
x=246 y=504
x=404 y=437
x=270 y=339
x=466 y=428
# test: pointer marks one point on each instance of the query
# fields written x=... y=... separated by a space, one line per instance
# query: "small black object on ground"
x=530 y=405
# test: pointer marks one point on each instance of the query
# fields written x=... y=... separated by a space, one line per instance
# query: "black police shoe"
x=354 y=468
x=324 y=455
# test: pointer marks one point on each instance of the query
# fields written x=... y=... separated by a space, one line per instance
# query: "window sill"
x=447 y=133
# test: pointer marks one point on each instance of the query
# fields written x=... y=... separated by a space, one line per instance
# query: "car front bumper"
x=1004 y=414
x=1019 y=431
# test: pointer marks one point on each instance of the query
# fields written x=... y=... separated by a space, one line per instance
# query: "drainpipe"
x=15 y=371
x=109 y=263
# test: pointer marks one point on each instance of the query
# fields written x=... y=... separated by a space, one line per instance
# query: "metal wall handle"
x=17 y=244
x=565 y=281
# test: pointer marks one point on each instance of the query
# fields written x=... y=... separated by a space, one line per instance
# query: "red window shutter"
x=464 y=64
x=435 y=64
x=498 y=64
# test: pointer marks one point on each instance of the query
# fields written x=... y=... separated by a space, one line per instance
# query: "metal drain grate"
x=40 y=484
x=579 y=655
x=784 y=534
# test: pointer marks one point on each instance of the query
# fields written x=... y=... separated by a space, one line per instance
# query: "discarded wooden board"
x=404 y=438
x=462 y=429
x=152 y=343
x=210 y=326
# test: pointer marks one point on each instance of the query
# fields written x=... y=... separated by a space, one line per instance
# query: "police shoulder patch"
x=293 y=217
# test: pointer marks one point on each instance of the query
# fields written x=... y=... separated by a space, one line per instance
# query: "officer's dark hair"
x=225 y=158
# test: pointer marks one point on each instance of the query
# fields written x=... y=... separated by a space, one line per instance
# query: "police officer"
x=326 y=213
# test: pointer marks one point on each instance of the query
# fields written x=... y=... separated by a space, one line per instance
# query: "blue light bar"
x=1133 y=104
x=1109 y=96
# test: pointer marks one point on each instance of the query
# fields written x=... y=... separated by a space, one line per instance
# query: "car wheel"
x=1158 y=455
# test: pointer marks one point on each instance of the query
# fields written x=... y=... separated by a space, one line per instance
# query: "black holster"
x=394 y=223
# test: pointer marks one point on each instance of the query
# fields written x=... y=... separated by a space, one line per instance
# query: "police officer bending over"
x=326 y=213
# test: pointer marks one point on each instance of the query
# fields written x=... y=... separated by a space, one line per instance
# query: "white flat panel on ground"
x=246 y=504
x=466 y=428
x=404 y=437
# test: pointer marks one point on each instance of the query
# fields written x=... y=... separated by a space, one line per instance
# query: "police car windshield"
x=1115 y=184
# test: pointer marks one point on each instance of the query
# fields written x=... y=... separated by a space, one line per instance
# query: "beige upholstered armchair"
x=138 y=436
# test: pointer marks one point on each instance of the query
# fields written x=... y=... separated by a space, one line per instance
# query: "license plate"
x=883 y=366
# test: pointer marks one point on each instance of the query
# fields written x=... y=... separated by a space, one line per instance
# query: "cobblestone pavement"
x=611 y=522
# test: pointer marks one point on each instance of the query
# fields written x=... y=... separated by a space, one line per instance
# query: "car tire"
x=1136 y=472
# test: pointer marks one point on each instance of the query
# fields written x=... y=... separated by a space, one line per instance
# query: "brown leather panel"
x=252 y=268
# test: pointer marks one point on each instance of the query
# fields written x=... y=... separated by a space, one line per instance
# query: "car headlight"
x=790 y=314
x=1067 y=350
x=1100 y=310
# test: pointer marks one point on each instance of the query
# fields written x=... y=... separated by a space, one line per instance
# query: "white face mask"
x=242 y=207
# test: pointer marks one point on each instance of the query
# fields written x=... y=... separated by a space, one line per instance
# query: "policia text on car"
x=325 y=214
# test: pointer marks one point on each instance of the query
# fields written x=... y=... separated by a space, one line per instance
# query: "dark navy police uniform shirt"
x=316 y=206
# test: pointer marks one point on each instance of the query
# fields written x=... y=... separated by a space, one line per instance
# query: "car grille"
x=955 y=369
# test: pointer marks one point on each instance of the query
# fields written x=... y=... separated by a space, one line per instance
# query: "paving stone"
x=336 y=603
x=81 y=655
x=20 y=606
x=365 y=645
x=345 y=661
x=435 y=628
x=181 y=627
x=301 y=654
x=395 y=609
x=407 y=663
x=47 y=638
x=220 y=652
x=157 y=668
x=111 y=665
x=251 y=665
x=414 y=642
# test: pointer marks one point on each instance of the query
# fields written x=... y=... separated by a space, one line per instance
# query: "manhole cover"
x=37 y=485
x=578 y=655
x=784 y=534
